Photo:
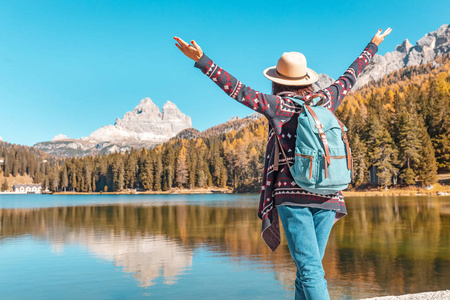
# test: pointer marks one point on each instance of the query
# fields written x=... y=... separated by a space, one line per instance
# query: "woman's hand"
x=193 y=51
x=378 y=38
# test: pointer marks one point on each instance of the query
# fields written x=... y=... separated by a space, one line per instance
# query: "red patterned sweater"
x=278 y=187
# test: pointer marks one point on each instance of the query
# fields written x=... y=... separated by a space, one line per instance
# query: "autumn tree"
x=181 y=169
x=5 y=185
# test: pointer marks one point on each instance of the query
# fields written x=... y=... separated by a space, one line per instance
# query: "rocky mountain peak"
x=429 y=47
x=146 y=107
x=169 y=104
x=404 y=47
x=144 y=126
x=145 y=122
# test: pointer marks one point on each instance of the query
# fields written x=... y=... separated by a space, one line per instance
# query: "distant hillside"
x=234 y=123
x=400 y=79
x=23 y=164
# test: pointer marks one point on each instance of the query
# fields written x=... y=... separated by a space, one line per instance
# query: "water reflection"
x=146 y=257
x=400 y=245
x=384 y=246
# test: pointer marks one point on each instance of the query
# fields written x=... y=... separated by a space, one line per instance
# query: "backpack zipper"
x=338 y=156
x=332 y=157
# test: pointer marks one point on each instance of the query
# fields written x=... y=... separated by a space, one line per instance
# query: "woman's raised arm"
x=339 y=89
x=265 y=104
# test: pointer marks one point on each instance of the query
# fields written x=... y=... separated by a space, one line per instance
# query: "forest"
x=398 y=127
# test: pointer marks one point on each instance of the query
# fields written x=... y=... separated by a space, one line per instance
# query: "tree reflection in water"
x=386 y=245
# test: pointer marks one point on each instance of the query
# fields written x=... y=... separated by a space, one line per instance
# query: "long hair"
x=300 y=90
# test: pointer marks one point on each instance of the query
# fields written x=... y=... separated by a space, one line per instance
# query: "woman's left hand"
x=193 y=51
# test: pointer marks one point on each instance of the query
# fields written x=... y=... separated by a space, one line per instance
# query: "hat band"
x=292 y=78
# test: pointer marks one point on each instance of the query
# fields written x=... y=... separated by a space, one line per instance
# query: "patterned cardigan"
x=278 y=187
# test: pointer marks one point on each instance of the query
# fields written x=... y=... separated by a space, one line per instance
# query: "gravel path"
x=440 y=295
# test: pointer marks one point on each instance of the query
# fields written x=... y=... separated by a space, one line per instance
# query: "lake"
x=209 y=247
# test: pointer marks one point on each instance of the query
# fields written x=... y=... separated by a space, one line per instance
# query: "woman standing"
x=307 y=218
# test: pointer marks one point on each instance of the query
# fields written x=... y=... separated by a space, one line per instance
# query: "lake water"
x=209 y=247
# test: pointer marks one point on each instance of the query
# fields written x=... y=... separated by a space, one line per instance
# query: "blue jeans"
x=307 y=230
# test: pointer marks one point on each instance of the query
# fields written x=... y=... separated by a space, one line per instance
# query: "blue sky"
x=71 y=67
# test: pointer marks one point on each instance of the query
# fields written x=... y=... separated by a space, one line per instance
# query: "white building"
x=27 y=188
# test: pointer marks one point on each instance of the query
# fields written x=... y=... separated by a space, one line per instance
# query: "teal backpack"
x=323 y=160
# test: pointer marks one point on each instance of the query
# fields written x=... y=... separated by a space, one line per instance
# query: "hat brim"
x=271 y=74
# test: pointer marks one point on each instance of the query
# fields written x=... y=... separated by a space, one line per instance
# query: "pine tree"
x=94 y=185
x=158 y=172
x=441 y=145
x=384 y=157
x=46 y=183
x=408 y=176
x=54 y=182
x=102 y=174
x=71 y=172
x=5 y=185
x=168 y=168
x=118 y=173
x=409 y=145
x=87 y=177
x=382 y=151
x=359 y=163
x=146 y=171
x=192 y=164
x=181 y=168
x=131 y=169
x=427 y=167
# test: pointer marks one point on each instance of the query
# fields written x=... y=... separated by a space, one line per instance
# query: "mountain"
x=427 y=49
x=235 y=123
x=323 y=82
x=144 y=126
x=144 y=123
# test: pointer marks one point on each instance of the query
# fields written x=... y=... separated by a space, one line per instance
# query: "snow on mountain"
x=145 y=123
x=144 y=126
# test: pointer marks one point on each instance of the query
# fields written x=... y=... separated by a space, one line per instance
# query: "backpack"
x=323 y=160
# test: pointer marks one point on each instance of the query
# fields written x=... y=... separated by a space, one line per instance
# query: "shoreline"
x=365 y=193
x=169 y=192
x=438 y=295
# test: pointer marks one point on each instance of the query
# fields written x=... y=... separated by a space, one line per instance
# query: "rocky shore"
x=439 y=295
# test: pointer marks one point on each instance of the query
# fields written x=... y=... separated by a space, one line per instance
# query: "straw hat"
x=291 y=70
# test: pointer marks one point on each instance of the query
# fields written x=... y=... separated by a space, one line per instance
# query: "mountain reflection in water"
x=386 y=245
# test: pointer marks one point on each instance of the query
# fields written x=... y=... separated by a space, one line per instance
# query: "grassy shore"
x=169 y=192
x=435 y=190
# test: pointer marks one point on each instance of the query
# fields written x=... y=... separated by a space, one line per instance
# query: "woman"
x=307 y=218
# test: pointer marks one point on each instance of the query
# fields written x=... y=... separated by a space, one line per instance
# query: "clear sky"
x=71 y=67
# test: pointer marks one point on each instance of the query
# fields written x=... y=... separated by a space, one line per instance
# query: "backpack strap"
x=345 y=139
x=322 y=137
x=276 y=159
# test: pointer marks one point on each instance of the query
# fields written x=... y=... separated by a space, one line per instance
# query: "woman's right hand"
x=192 y=51
x=378 y=38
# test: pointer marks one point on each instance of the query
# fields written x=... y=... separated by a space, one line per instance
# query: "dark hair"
x=300 y=90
